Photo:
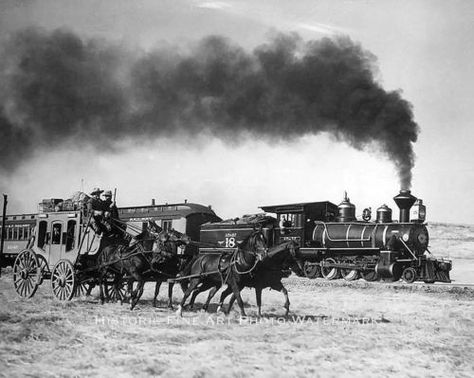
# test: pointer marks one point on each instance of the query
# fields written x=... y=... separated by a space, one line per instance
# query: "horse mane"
x=251 y=240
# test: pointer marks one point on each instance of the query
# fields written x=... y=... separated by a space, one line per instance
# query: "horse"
x=278 y=264
x=167 y=263
x=213 y=271
x=133 y=260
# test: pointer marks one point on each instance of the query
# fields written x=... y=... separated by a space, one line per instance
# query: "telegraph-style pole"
x=2 y=237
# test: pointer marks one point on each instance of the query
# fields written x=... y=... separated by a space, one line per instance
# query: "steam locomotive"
x=334 y=244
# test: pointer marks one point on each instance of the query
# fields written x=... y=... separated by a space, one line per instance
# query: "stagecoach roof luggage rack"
x=49 y=205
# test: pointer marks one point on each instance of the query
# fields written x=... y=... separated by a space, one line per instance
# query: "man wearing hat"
x=110 y=212
x=95 y=208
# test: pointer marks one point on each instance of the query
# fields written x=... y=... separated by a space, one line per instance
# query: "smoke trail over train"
x=56 y=87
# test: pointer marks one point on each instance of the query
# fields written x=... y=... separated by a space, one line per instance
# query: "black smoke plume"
x=57 y=88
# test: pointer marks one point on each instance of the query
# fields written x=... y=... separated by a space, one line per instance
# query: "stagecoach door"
x=56 y=242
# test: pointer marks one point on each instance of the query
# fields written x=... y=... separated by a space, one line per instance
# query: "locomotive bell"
x=346 y=210
x=404 y=201
x=384 y=214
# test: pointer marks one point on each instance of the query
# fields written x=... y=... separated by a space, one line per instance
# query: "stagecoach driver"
x=95 y=208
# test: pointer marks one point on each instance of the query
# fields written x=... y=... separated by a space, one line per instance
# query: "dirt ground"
x=334 y=329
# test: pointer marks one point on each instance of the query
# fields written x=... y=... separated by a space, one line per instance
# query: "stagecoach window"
x=42 y=233
x=70 y=235
x=10 y=233
x=20 y=233
x=56 y=237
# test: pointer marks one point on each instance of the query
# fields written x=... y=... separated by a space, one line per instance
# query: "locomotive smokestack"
x=404 y=201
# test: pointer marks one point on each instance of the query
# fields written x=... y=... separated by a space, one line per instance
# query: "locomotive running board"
x=316 y=253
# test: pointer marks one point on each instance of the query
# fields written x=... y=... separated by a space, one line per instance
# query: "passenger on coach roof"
x=109 y=206
x=95 y=209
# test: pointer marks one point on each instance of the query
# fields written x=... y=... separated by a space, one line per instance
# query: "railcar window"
x=42 y=234
x=166 y=225
x=70 y=235
x=56 y=237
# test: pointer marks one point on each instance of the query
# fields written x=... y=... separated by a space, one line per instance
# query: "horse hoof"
x=219 y=308
x=179 y=312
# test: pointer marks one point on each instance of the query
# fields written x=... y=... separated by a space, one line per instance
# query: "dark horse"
x=153 y=257
x=277 y=265
x=215 y=270
x=133 y=261
x=167 y=263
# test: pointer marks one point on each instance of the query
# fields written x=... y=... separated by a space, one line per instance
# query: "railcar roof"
x=177 y=210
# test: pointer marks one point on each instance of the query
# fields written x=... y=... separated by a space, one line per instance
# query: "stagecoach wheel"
x=370 y=275
x=330 y=273
x=81 y=289
x=116 y=289
x=350 y=274
x=26 y=274
x=44 y=267
x=312 y=270
x=63 y=280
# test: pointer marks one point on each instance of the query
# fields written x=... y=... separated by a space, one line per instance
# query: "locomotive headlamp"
x=422 y=238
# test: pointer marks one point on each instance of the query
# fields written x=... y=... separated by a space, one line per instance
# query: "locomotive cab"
x=296 y=221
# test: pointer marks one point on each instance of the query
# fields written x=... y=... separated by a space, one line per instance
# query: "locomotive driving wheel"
x=26 y=274
x=330 y=273
x=370 y=275
x=350 y=274
x=63 y=280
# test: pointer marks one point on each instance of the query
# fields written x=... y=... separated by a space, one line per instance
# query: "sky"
x=423 y=49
